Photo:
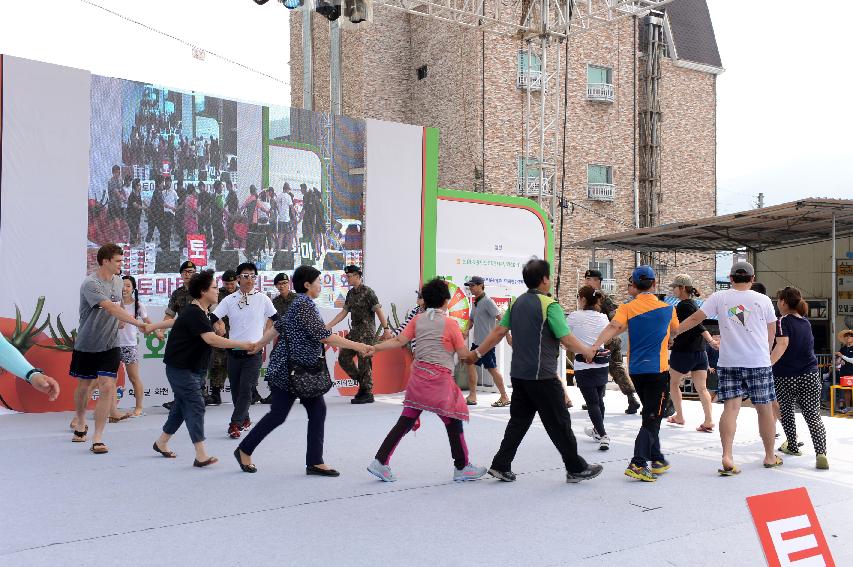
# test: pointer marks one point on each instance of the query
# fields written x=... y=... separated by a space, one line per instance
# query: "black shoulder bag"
x=304 y=382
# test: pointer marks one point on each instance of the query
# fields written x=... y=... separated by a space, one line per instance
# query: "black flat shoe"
x=167 y=454
x=244 y=468
x=312 y=470
x=208 y=462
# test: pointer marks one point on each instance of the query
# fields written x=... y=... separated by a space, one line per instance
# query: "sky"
x=783 y=115
x=77 y=33
x=784 y=118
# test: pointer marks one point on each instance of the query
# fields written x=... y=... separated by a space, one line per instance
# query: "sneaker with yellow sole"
x=640 y=473
x=660 y=467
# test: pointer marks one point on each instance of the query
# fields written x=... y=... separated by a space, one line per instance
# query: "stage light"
x=357 y=10
x=329 y=9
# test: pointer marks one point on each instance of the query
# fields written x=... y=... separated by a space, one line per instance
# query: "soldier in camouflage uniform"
x=361 y=304
x=617 y=368
x=218 y=370
x=285 y=296
x=179 y=299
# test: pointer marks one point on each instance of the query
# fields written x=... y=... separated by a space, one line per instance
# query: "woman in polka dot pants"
x=796 y=375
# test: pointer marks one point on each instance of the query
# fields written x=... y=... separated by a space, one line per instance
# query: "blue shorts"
x=489 y=359
x=757 y=383
x=687 y=362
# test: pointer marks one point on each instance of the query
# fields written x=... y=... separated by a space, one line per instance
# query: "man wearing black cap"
x=593 y=278
x=361 y=304
x=484 y=318
x=179 y=299
x=285 y=296
x=218 y=370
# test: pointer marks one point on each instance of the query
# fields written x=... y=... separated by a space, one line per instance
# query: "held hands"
x=588 y=353
x=160 y=334
x=250 y=347
x=45 y=384
x=387 y=334
x=366 y=350
x=219 y=328
x=469 y=358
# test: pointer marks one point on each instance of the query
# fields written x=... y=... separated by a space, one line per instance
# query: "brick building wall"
x=470 y=89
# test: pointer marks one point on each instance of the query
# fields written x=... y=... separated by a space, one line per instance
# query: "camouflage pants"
x=218 y=371
x=617 y=368
x=363 y=373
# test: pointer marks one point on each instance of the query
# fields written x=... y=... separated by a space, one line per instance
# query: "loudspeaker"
x=227 y=260
x=168 y=262
x=334 y=260
x=283 y=261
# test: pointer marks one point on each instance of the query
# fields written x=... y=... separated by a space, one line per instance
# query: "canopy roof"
x=790 y=224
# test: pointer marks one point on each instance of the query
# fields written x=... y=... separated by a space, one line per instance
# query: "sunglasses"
x=248 y=276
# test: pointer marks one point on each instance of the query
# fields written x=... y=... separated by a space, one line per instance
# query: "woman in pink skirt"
x=431 y=385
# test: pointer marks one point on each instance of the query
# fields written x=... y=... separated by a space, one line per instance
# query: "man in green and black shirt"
x=285 y=296
x=538 y=329
x=361 y=304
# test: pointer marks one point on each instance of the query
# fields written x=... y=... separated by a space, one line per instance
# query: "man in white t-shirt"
x=250 y=313
x=747 y=328
x=170 y=206
x=285 y=202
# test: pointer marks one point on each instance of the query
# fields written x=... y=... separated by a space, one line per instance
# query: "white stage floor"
x=62 y=505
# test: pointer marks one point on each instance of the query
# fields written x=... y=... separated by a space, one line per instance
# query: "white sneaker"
x=604 y=443
x=382 y=472
x=590 y=431
x=470 y=472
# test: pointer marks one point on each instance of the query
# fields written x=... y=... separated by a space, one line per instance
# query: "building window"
x=599 y=83
x=528 y=73
x=422 y=73
x=599 y=182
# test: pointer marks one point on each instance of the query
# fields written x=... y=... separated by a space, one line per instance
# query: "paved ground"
x=64 y=506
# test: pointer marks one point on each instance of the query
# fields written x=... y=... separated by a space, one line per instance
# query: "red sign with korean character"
x=197 y=249
x=788 y=528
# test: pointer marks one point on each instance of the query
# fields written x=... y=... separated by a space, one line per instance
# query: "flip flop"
x=80 y=436
x=705 y=429
x=777 y=464
x=210 y=461
x=99 y=448
x=729 y=471
x=470 y=403
x=121 y=418
x=167 y=454
x=500 y=404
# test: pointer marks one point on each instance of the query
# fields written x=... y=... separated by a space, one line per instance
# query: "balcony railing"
x=532 y=76
x=608 y=285
x=600 y=191
x=531 y=188
x=599 y=92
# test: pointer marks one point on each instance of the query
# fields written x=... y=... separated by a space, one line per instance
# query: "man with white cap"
x=747 y=330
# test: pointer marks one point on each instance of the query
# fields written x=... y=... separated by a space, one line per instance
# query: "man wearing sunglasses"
x=249 y=313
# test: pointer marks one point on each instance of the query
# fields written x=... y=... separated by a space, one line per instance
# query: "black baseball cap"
x=186 y=266
x=280 y=277
x=352 y=269
x=475 y=280
x=593 y=274
x=229 y=276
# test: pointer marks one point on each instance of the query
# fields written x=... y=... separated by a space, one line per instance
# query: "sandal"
x=705 y=429
x=99 y=448
x=167 y=454
x=470 y=402
x=80 y=436
x=778 y=463
x=729 y=471
x=210 y=461
x=500 y=404
x=120 y=418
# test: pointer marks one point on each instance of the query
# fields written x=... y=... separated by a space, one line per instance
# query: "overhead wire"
x=185 y=42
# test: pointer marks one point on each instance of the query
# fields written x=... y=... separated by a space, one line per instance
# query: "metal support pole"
x=335 y=67
x=542 y=96
x=833 y=300
x=307 y=62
